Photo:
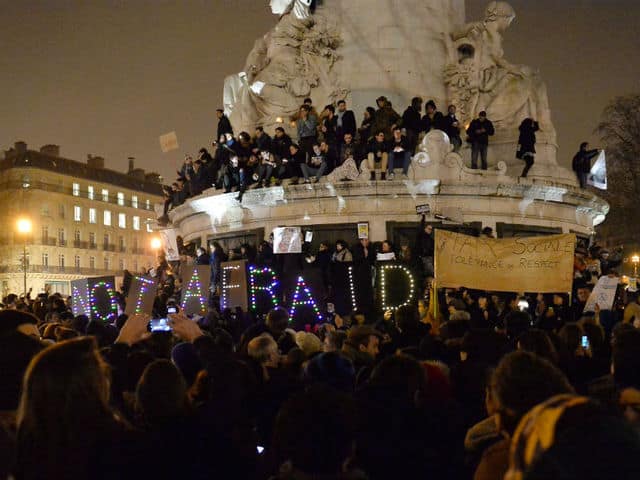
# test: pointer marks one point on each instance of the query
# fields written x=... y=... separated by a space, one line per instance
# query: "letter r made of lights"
x=255 y=288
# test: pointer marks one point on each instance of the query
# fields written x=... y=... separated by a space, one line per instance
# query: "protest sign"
x=363 y=230
x=142 y=292
x=170 y=244
x=423 y=209
x=234 y=285
x=603 y=294
x=195 y=291
x=598 y=174
x=168 y=142
x=287 y=240
x=519 y=264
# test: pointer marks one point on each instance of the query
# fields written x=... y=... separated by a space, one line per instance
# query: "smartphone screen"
x=585 y=341
x=172 y=310
x=160 y=325
x=259 y=449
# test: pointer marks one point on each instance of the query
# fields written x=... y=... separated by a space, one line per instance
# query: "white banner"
x=287 y=240
x=598 y=174
x=603 y=294
x=170 y=244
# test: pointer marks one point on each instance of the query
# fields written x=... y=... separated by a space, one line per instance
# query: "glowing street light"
x=635 y=259
x=156 y=244
x=24 y=227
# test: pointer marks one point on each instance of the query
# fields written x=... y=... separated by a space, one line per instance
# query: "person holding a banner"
x=581 y=163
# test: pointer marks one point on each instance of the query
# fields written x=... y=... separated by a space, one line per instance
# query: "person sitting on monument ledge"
x=400 y=151
x=330 y=155
x=432 y=119
x=412 y=122
x=267 y=169
x=386 y=118
x=316 y=164
x=581 y=163
x=346 y=122
x=261 y=141
x=307 y=128
x=451 y=126
x=378 y=155
x=479 y=132
x=280 y=149
x=365 y=132
x=526 y=144
x=290 y=167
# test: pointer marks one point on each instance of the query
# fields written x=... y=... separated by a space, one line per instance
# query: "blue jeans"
x=307 y=171
x=394 y=158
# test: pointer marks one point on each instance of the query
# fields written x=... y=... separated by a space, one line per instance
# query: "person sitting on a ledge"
x=378 y=155
x=266 y=169
x=330 y=155
x=479 y=132
x=348 y=145
x=280 y=148
x=290 y=167
x=316 y=164
x=400 y=151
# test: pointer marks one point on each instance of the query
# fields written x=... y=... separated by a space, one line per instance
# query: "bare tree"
x=619 y=129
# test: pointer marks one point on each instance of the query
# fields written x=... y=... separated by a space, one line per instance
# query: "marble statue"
x=293 y=61
x=478 y=77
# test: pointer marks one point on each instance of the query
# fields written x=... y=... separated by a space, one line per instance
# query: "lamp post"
x=635 y=259
x=24 y=228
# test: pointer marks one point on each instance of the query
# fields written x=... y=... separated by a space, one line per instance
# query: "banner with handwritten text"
x=518 y=264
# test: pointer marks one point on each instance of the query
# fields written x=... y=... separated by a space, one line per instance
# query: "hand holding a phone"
x=134 y=329
x=183 y=327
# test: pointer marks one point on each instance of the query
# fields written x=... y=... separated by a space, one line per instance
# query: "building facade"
x=86 y=220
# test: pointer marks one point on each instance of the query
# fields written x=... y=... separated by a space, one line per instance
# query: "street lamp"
x=24 y=227
x=156 y=244
x=635 y=259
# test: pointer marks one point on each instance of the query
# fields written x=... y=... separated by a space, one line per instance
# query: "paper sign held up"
x=168 y=142
x=287 y=240
x=603 y=294
x=423 y=209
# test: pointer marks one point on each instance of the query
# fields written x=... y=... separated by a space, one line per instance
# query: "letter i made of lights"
x=302 y=289
x=269 y=289
x=145 y=284
x=113 y=303
x=352 y=289
x=384 y=281
x=194 y=282
x=226 y=286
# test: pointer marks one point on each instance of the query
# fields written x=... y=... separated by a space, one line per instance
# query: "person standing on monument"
x=307 y=126
x=364 y=132
x=433 y=119
x=411 y=121
x=479 y=132
x=451 y=126
x=346 y=122
x=526 y=143
x=224 y=125
x=329 y=125
x=386 y=118
x=581 y=163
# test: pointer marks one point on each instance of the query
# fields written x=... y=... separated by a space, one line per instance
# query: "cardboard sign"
x=195 y=289
x=168 y=142
x=80 y=298
x=526 y=264
x=170 y=244
x=142 y=292
x=603 y=294
x=287 y=240
x=363 y=230
x=423 y=209
x=234 y=285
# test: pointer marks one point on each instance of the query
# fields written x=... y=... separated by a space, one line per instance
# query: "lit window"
x=105 y=195
x=149 y=229
x=134 y=201
x=120 y=198
x=147 y=204
x=135 y=221
x=106 y=218
x=76 y=189
x=77 y=213
x=90 y=194
x=93 y=215
x=122 y=220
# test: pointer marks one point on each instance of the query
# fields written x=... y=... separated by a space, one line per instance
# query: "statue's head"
x=500 y=12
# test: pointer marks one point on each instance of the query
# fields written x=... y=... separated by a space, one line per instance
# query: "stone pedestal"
x=393 y=48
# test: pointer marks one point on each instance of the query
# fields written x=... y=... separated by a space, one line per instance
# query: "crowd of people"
x=331 y=143
x=485 y=386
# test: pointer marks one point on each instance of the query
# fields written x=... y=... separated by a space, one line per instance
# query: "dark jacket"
x=527 y=138
x=436 y=123
x=482 y=137
x=403 y=143
x=449 y=129
x=280 y=146
x=224 y=126
x=376 y=147
x=386 y=117
x=411 y=120
x=348 y=125
x=331 y=124
x=425 y=243
x=582 y=160
x=263 y=143
x=357 y=156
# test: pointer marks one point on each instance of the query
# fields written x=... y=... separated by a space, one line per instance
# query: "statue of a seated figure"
x=478 y=77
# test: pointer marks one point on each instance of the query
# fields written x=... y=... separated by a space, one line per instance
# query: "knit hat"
x=308 y=343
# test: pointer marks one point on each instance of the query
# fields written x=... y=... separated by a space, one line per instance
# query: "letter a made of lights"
x=254 y=288
x=384 y=286
x=195 y=289
x=303 y=291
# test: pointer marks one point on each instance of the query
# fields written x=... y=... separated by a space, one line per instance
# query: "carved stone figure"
x=478 y=77
x=293 y=61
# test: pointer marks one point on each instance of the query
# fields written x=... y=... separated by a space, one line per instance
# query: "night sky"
x=109 y=77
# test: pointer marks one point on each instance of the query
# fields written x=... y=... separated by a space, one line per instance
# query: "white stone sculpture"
x=293 y=61
x=478 y=77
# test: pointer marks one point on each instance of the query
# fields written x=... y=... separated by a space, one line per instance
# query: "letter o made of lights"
x=113 y=303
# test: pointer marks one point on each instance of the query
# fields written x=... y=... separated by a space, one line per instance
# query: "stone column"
x=393 y=48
